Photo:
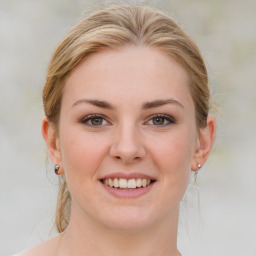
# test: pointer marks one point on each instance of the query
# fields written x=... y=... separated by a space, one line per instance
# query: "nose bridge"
x=127 y=144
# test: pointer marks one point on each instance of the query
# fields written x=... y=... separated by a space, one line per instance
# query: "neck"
x=89 y=238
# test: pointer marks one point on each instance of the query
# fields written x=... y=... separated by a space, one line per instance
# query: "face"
x=127 y=137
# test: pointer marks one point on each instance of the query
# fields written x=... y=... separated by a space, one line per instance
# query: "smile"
x=122 y=183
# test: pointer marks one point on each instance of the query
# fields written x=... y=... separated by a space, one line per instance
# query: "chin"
x=129 y=219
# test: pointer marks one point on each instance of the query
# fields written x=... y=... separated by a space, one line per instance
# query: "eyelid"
x=166 y=117
x=171 y=120
x=90 y=117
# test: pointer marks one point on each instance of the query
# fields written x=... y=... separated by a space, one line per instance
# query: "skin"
x=129 y=139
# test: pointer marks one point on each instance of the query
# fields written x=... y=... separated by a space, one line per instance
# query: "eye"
x=95 y=120
x=161 y=120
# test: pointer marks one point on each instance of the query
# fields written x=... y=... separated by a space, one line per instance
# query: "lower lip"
x=128 y=193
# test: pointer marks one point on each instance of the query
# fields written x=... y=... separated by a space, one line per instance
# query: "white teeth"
x=138 y=183
x=124 y=183
x=110 y=183
x=116 y=183
x=131 y=183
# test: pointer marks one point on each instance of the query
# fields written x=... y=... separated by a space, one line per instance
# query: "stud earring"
x=56 y=169
x=196 y=172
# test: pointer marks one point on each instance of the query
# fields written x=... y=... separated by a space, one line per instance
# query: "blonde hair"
x=114 y=28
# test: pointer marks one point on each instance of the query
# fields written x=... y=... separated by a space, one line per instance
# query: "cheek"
x=175 y=149
x=173 y=155
x=81 y=155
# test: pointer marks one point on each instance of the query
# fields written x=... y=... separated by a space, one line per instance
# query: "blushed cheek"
x=176 y=151
x=173 y=158
x=82 y=155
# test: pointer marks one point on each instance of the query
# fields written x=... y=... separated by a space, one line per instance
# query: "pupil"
x=97 y=121
x=158 y=120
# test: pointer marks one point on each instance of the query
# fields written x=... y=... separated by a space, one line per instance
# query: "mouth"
x=127 y=184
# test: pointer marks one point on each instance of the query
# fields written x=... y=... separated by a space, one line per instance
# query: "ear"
x=51 y=138
x=204 y=144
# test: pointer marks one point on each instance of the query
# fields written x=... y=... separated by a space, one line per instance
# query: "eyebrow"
x=159 y=103
x=97 y=103
x=146 y=105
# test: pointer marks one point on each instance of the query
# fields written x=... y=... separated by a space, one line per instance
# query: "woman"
x=127 y=119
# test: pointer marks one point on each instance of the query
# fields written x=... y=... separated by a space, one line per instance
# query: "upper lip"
x=132 y=175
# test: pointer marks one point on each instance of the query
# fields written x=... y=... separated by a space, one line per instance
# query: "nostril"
x=126 y=159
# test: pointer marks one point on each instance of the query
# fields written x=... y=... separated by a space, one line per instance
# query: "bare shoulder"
x=48 y=248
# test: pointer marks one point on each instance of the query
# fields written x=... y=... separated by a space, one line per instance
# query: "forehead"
x=132 y=74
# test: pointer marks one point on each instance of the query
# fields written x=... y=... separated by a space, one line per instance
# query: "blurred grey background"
x=225 y=31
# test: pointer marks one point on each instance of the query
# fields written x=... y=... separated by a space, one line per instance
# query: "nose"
x=127 y=145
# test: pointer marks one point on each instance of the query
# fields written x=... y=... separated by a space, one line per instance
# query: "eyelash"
x=86 y=119
x=170 y=120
